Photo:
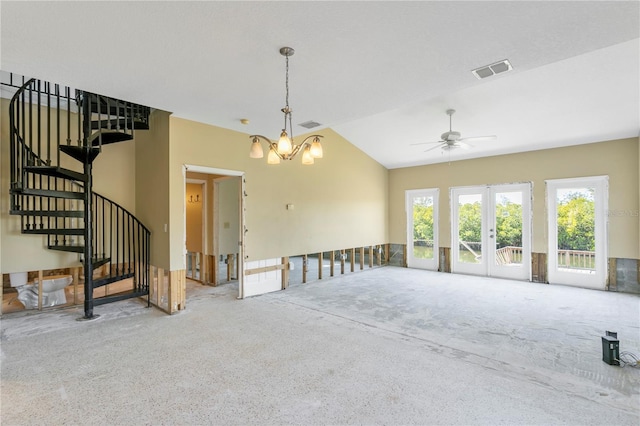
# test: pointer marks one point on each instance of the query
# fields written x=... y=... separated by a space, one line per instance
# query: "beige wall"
x=114 y=171
x=617 y=159
x=152 y=181
x=194 y=216
x=339 y=202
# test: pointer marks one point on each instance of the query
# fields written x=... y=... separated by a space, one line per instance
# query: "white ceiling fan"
x=451 y=140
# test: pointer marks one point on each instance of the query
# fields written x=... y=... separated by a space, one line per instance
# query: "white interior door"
x=469 y=230
x=491 y=231
x=577 y=219
x=422 y=228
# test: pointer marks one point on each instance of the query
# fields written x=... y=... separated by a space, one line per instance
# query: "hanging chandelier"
x=285 y=148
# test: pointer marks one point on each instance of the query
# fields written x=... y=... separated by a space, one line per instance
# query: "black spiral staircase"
x=56 y=134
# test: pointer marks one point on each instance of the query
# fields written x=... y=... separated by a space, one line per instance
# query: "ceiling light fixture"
x=285 y=149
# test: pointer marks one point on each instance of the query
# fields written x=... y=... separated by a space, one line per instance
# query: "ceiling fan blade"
x=432 y=148
x=478 y=138
x=424 y=143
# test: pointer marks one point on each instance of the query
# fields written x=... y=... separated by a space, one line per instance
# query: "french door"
x=422 y=228
x=491 y=230
x=577 y=219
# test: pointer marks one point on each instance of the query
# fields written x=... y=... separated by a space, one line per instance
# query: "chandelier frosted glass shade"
x=316 y=148
x=284 y=144
x=273 y=157
x=307 y=158
x=256 y=149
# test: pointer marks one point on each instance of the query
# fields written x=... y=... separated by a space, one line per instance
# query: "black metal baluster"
x=103 y=229
x=48 y=89
x=57 y=87
x=28 y=178
x=117 y=242
x=128 y=244
x=67 y=90
x=111 y=233
x=79 y=100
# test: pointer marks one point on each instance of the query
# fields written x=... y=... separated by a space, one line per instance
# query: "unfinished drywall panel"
x=152 y=183
x=340 y=201
x=263 y=276
x=617 y=159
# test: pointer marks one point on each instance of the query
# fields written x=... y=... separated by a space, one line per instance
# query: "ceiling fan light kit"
x=451 y=140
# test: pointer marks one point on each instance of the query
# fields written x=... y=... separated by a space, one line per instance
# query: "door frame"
x=431 y=264
x=598 y=279
x=487 y=266
x=241 y=199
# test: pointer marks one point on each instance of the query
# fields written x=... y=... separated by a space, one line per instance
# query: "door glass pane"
x=423 y=228
x=470 y=228
x=508 y=232
x=576 y=229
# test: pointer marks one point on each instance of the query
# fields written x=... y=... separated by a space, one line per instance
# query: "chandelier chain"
x=287 y=82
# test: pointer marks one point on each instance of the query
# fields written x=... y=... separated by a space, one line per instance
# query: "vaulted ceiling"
x=381 y=74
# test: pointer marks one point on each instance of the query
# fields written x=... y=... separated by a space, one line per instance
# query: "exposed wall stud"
x=332 y=260
x=353 y=260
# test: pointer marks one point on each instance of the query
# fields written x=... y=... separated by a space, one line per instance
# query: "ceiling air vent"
x=309 y=124
x=489 y=70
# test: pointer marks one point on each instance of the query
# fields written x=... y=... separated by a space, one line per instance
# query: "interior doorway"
x=491 y=230
x=214 y=220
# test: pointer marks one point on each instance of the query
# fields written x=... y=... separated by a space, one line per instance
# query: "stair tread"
x=111 y=123
x=80 y=153
x=54 y=213
x=66 y=231
x=71 y=195
x=109 y=136
x=67 y=247
x=120 y=296
x=109 y=279
x=97 y=262
x=55 y=171
x=124 y=123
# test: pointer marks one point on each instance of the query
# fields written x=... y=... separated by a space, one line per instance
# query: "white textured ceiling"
x=381 y=74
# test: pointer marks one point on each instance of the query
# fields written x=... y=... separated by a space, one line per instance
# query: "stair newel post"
x=88 y=213
x=88 y=243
